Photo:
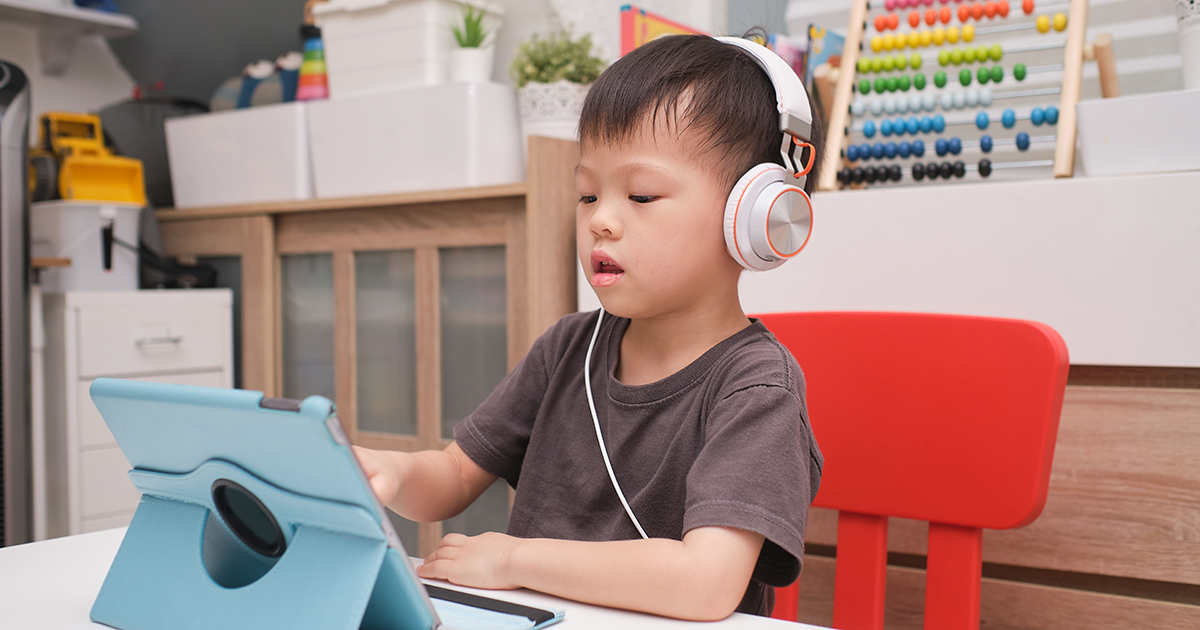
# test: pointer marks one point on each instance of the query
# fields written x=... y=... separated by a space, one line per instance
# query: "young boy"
x=701 y=410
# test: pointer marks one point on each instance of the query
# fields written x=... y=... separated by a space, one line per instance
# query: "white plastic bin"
x=1146 y=133
x=374 y=46
x=244 y=156
x=453 y=135
x=72 y=229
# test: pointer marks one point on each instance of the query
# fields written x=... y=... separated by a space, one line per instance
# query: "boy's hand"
x=382 y=472
x=476 y=561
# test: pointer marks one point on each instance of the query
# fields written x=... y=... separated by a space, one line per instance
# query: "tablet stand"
x=329 y=575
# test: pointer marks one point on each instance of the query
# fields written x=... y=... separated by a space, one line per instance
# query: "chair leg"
x=861 y=574
x=787 y=602
x=952 y=577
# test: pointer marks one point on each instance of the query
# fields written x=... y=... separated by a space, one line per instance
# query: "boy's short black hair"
x=699 y=84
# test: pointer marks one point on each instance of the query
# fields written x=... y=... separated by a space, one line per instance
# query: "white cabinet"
x=183 y=337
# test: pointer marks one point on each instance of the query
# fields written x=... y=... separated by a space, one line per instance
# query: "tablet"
x=275 y=466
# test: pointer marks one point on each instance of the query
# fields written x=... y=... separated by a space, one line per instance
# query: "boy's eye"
x=587 y=199
x=642 y=198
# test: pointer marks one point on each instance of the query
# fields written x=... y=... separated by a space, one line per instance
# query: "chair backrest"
x=942 y=418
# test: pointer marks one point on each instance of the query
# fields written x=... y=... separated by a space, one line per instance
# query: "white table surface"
x=52 y=584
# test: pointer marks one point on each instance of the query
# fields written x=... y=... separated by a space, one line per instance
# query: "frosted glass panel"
x=489 y=513
x=307 y=325
x=385 y=314
x=474 y=325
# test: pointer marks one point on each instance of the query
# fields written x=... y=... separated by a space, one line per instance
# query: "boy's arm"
x=425 y=486
x=702 y=578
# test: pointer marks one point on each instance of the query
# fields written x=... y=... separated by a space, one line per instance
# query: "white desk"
x=52 y=585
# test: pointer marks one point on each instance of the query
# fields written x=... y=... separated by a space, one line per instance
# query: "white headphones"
x=768 y=217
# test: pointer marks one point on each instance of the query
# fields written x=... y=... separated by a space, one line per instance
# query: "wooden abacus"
x=949 y=24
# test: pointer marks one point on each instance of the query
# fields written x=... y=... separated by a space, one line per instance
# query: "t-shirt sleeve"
x=496 y=434
x=755 y=473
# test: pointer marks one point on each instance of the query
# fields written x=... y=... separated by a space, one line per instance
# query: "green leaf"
x=472 y=33
x=554 y=58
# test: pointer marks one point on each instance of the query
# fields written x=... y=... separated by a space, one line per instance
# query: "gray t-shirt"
x=723 y=442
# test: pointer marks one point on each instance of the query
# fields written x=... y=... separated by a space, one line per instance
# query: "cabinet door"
x=94 y=432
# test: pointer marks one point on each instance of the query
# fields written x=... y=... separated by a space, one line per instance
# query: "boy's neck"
x=655 y=348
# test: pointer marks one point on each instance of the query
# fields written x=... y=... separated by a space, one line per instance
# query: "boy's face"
x=649 y=225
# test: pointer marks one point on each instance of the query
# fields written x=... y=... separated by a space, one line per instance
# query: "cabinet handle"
x=158 y=341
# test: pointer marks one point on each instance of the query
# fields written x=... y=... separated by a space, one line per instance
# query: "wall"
x=94 y=77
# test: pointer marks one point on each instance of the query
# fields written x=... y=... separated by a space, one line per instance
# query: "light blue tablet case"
x=180 y=566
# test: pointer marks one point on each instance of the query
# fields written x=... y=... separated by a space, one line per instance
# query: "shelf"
x=346 y=203
x=60 y=26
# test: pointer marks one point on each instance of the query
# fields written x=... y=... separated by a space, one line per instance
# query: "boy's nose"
x=604 y=221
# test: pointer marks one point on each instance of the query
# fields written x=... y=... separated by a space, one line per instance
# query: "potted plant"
x=472 y=60
x=552 y=76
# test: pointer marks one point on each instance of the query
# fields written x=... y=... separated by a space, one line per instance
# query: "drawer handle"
x=158 y=341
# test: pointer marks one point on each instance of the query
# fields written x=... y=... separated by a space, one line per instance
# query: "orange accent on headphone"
x=812 y=156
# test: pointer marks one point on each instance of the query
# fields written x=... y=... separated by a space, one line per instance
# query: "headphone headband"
x=795 y=115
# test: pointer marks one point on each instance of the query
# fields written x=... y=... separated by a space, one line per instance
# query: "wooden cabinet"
x=182 y=337
x=404 y=309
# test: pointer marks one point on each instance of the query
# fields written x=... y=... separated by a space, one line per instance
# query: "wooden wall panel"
x=550 y=226
x=1005 y=605
x=261 y=337
x=400 y=228
x=205 y=237
x=1123 y=496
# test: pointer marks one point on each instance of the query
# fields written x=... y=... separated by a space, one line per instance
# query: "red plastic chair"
x=942 y=418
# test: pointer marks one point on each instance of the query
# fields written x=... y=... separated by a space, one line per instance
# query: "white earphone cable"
x=587 y=380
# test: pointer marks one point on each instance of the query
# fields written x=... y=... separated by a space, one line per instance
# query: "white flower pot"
x=550 y=109
x=472 y=65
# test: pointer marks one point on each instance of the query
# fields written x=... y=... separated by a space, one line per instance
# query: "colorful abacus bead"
x=941 y=147
x=985 y=143
x=1002 y=8
x=904 y=149
x=931 y=170
x=844 y=175
x=912 y=125
x=896 y=172
x=986 y=97
x=869 y=129
x=864 y=151
x=997 y=74
x=918 y=148
x=984 y=75
x=981 y=120
x=955 y=146
x=1051 y=115
x=885 y=128
x=1060 y=22
x=889 y=150
x=939 y=123
x=945 y=170
x=857 y=175
x=1022 y=141
x=960 y=169
x=918 y=172
x=919 y=81
x=1037 y=116
x=1027 y=6
x=939 y=79
x=964 y=77
x=1009 y=118
x=985 y=167
x=870 y=174
x=852 y=153
x=1019 y=71
x=926 y=124
x=1043 y=24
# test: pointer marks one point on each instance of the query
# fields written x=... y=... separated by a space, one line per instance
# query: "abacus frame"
x=1072 y=80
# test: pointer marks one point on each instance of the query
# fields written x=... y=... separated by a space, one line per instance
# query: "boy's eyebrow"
x=633 y=167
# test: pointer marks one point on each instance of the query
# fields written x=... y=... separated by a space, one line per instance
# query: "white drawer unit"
x=182 y=337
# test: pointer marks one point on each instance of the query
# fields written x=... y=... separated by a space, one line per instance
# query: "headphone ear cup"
x=739 y=209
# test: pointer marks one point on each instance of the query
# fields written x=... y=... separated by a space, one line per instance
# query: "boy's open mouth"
x=605 y=270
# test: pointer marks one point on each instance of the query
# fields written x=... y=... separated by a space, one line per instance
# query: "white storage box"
x=254 y=155
x=1147 y=133
x=374 y=46
x=453 y=135
x=72 y=229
